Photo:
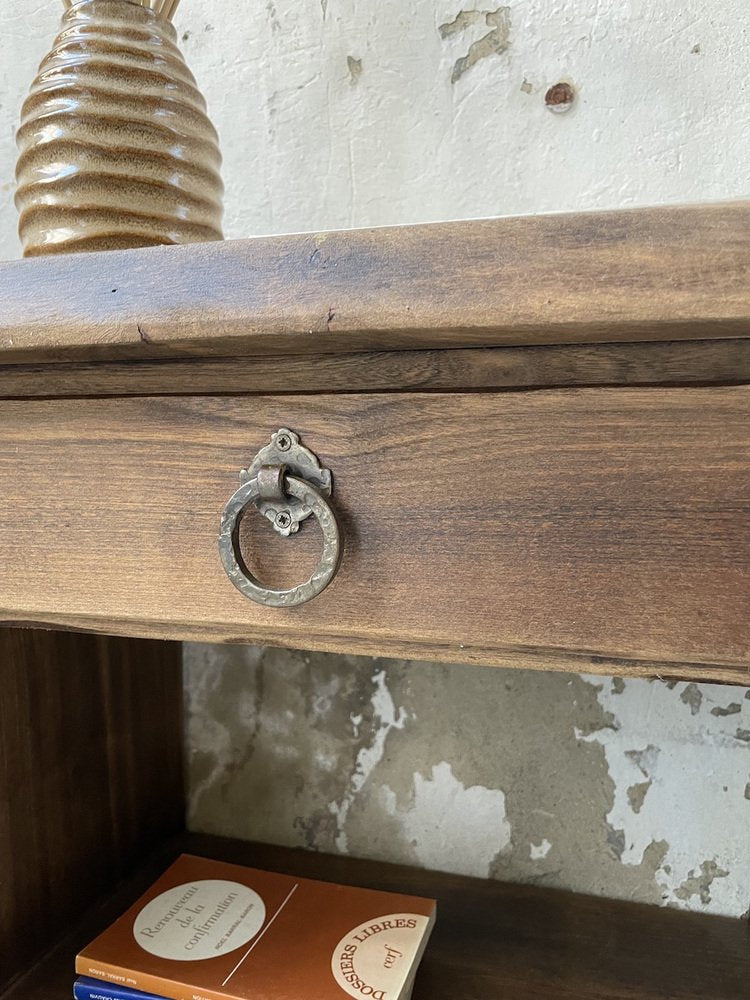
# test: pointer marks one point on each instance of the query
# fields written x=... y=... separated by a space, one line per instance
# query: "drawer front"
x=595 y=529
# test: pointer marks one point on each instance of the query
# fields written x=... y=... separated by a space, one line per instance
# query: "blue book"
x=85 y=988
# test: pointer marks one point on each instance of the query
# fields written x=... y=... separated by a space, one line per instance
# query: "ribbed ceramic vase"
x=115 y=148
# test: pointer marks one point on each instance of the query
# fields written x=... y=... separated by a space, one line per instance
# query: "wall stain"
x=732 y=709
x=271 y=11
x=644 y=759
x=320 y=827
x=692 y=696
x=743 y=734
x=494 y=42
x=636 y=795
x=653 y=857
x=590 y=726
x=463 y=20
x=616 y=841
x=700 y=885
x=276 y=787
x=355 y=69
x=560 y=97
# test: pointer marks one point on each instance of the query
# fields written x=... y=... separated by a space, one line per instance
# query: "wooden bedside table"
x=539 y=436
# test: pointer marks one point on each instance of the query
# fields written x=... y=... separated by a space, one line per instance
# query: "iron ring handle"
x=234 y=564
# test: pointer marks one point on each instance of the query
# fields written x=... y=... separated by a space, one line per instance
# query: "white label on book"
x=199 y=920
x=374 y=959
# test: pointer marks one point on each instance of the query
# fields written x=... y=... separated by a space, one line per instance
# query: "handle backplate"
x=286 y=483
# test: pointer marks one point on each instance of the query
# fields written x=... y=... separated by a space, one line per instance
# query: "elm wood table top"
x=638 y=275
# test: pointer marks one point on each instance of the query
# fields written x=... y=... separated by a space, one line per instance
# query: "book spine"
x=168 y=988
x=95 y=989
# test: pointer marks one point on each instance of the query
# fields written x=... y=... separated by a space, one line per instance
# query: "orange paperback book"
x=207 y=930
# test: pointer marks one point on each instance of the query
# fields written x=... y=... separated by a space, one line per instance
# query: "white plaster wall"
x=663 y=110
x=336 y=113
x=679 y=759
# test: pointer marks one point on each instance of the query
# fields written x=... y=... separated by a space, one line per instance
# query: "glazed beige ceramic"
x=115 y=147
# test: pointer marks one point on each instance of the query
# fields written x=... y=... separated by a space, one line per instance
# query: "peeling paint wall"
x=336 y=113
x=623 y=788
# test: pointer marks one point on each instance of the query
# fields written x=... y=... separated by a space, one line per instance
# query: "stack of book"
x=207 y=930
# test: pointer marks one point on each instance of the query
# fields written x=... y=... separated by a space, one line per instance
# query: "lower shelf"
x=492 y=940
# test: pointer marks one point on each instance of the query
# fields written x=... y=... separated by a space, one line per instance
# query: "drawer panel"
x=595 y=529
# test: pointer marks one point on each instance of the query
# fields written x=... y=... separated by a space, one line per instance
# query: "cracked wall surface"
x=606 y=786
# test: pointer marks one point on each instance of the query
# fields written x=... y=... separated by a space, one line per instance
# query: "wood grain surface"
x=591 y=529
x=492 y=941
x=675 y=362
x=90 y=774
x=645 y=274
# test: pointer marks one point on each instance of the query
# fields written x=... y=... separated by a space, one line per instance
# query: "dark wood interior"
x=90 y=775
x=91 y=794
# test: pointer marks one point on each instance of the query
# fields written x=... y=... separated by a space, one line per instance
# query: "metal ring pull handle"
x=285 y=498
